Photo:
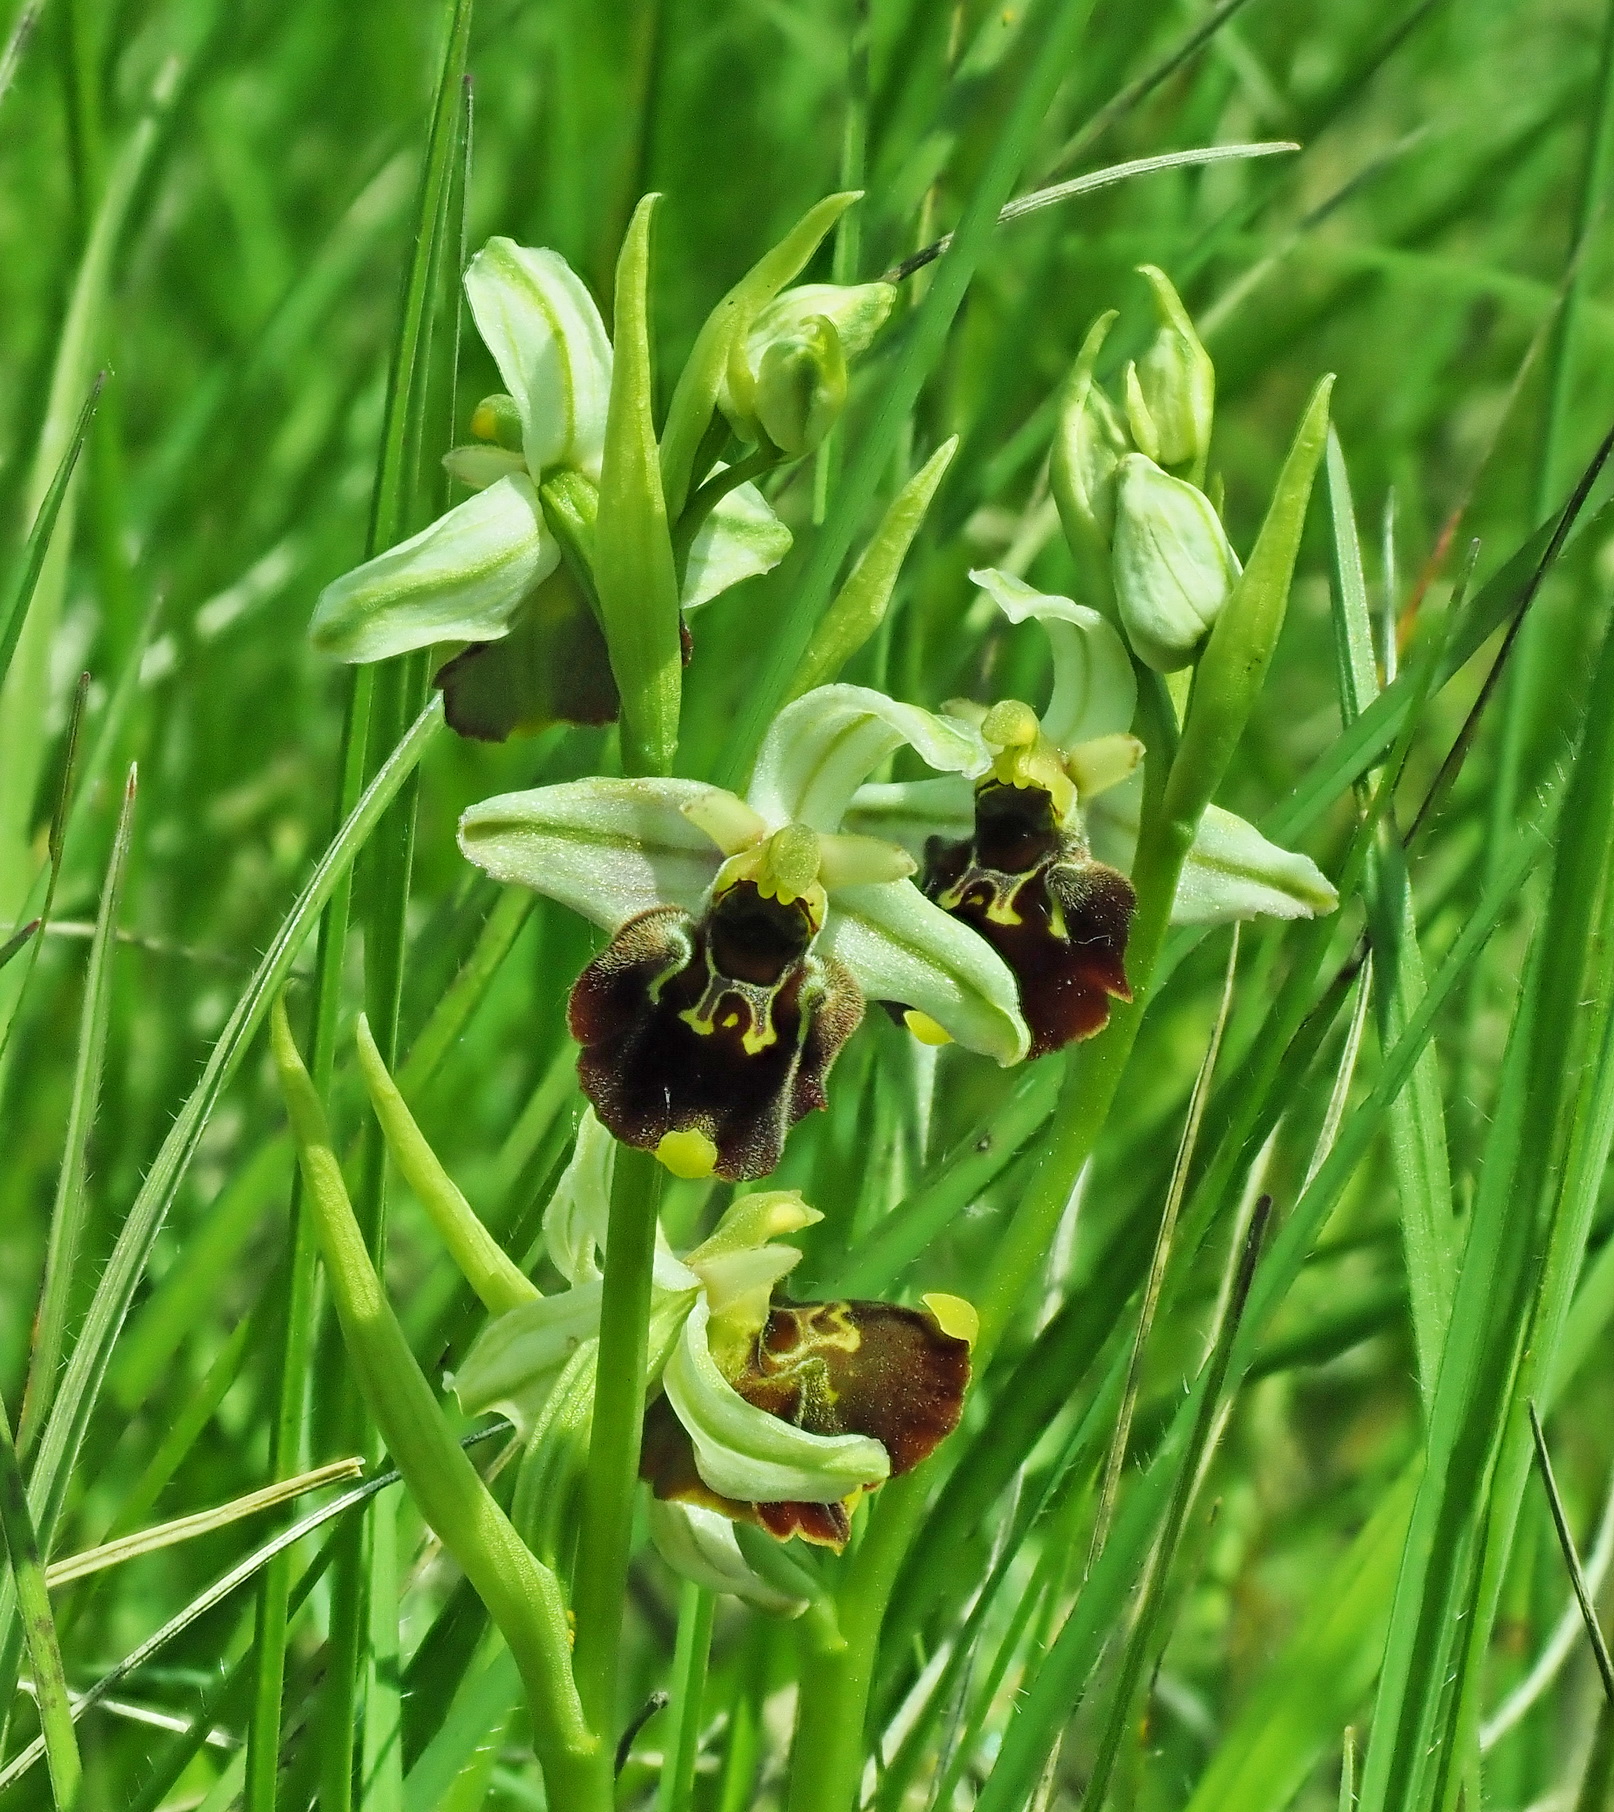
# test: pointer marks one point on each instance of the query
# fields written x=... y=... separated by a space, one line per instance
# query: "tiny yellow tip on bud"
x=925 y=1029
x=1010 y=725
x=484 y=422
x=689 y=1154
x=954 y=1316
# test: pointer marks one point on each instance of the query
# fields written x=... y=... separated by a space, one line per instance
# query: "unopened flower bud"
x=1088 y=445
x=496 y=418
x=1175 y=385
x=1174 y=567
x=806 y=371
x=801 y=386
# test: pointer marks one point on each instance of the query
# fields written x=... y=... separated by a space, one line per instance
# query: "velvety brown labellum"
x=553 y=667
x=726 y=1025
x=1056 y=917
x=833 y=1368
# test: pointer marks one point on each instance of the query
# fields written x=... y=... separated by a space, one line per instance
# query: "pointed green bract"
x=633 y=559
x=859 y=607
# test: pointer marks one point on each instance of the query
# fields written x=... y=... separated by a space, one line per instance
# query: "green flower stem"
x=696 y=1609
x=613 y=1453
x=828 y=1752
x=39 y=1627
x=523 y=1597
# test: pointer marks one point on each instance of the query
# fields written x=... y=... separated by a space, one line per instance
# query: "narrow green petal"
x=459 y=580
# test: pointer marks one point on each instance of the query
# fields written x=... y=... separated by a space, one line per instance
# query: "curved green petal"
x=823 y=747
x=699 y=1544
x=744 y=1453
x=1095 y=690
x=607 y=848
x=550 y=345
x=459 y=580
x=902 y=947
x=741 y=539
x=910 y=812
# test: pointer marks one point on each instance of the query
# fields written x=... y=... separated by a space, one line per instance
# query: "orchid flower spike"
x=746 y=933
x=774 y=1413
x=1034 y=853
x=492 y=569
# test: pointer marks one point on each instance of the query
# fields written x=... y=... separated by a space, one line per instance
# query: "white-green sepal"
x=514 y=1362
x=550 y=345
x=1095 y=691
x=477 y=466
x=823 y=747
x=606 y=848
x=857 y=311
x=744 y=1453
x=1174 y=568
x=910 y=812
x=741 y=539
x=459 y=580
x=699 y=1544
x=579 y=1212
x=902 y=947
x=1231 y=872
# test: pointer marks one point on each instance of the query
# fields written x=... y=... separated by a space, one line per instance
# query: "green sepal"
x=634 y=573
x=695 y=397
x=1239 y=649
x=860 y=605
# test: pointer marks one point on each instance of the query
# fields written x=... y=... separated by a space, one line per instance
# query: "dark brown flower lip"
x=1060 y=922
x=674 y=1040
x=877 y=1369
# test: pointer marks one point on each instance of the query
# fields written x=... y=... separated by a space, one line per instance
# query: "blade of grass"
x=68 y=1213
x=1577 y=1577
x=200 y=1522
x=1417 y=1120
x=76 y=1399
x=374 y=707
x=240 y=1574
x=14 y=612
x=696 y=1609
x=1157 y=1264
x=25 y=693
x=57 y=1740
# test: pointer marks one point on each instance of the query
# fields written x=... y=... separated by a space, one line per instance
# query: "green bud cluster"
x=1128 y=477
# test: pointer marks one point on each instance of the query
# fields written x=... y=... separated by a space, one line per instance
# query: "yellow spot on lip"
x=925 y=1029
x=954 y=1316
x=688 y=1154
